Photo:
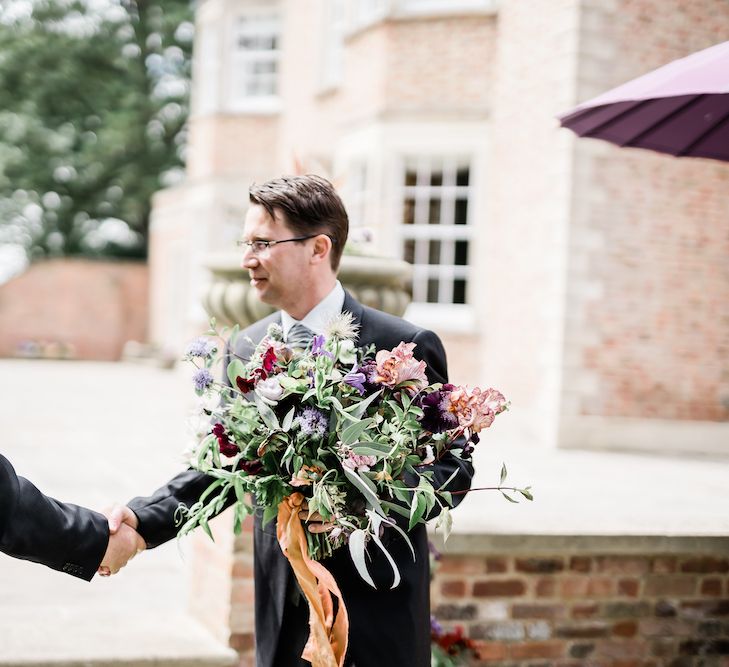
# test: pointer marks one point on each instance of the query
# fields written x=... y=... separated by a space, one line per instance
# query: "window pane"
x=409 y=251
x=459 y=290
x=408 y=215
x=434 y=212
x=432 y=290
x=411 y=177
x=461 y=253
x=462 y=176
x=436 y=178
x=434 y=254
x=461 y=212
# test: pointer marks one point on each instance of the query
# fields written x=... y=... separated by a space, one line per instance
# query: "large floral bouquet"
x=343 y=426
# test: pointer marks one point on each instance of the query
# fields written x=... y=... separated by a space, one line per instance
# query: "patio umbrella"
x=681 y=108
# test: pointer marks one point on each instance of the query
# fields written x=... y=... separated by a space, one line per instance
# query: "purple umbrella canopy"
x=681 y=108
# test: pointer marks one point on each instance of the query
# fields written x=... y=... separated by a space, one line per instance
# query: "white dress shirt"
x=320 y=315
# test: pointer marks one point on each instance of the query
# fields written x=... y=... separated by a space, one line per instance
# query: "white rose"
x=270 y=390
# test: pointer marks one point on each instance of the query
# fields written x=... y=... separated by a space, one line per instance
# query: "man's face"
x=282 y=274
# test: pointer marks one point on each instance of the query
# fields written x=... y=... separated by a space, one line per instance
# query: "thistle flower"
x=342 y=327
x=202 y=379
x=200 y=347
x=312 y=422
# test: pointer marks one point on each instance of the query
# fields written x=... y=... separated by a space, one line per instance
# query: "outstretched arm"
x=38 y=528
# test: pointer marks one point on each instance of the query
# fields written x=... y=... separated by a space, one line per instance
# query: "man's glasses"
x=260 y=246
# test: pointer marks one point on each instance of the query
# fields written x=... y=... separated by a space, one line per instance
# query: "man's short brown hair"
x=310 y=205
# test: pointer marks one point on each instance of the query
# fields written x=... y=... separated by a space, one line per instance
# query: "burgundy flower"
x=269 y=359
x=251 y=467
x=227 y=448
x=248 y=384
x=436 y=416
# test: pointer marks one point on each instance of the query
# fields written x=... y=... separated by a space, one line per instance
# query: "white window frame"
x=261 y=23
x=336 y=22
x=430 y=7
x=446 y=231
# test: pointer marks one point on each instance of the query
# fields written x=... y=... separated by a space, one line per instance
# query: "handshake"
x=124 y=540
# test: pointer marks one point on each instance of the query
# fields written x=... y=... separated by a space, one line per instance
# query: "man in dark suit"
x=64 y=537
x=294 y=234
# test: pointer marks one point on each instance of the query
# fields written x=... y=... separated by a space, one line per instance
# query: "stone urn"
x=379 y=282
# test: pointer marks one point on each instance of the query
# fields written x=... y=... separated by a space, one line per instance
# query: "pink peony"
x=399 y=365
x=359 y=462
x=476 y=409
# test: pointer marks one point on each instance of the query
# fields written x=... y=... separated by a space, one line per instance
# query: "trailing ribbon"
x=328 y=632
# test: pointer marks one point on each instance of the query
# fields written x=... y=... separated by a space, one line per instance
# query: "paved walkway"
x=92 y=433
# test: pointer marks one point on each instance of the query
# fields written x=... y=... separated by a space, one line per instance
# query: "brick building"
x=589 y=283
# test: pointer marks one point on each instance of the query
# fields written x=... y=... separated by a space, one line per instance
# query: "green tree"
x=93 y=110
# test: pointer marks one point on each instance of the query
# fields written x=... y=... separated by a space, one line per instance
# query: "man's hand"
x=124 y=544
x=315 y=523
x=124 y=541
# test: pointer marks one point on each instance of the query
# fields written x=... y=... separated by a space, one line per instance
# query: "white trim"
x=664 y=436
x=442 y=317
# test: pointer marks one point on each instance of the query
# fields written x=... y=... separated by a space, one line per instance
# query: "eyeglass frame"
x=267 y=244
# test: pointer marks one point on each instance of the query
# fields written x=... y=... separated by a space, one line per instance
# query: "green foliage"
x=93 y=112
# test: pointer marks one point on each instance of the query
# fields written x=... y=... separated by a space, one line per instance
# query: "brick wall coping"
x=471 y=543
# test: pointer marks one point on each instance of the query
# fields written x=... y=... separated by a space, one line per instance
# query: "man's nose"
x=249 y=260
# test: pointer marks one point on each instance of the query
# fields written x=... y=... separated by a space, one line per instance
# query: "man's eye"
x=260 y=245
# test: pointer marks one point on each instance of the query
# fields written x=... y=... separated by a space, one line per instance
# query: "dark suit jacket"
x=387 y=627
x=35 y=527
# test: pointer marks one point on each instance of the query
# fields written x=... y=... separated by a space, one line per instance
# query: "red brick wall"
x=650 y=237
x=80 y=308
x=573 y=602
x=598 y=610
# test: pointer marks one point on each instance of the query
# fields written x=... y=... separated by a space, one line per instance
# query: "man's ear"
x=321 y=248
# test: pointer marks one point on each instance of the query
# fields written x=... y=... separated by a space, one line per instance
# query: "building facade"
x=589 y=283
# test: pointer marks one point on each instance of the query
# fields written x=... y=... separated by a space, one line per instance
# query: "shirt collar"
x=320 y=315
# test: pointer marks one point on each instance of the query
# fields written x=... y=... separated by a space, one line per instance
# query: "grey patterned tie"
x=299 y=336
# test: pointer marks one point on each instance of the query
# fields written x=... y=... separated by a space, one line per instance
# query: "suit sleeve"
x=34 y=527
x=430 y=349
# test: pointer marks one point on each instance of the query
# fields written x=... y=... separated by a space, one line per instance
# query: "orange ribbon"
x=328 y=632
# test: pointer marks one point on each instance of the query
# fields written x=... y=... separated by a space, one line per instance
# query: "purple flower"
x=355 y=379
x=312 y=422
x=200 y=347
x=317 y=347
x=202 y=379
x=369 y=370
x=435 y=627
x=436 y=415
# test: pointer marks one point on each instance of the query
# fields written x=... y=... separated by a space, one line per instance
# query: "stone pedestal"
x=374 y=281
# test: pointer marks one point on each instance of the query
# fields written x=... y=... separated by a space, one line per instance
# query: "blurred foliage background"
x=93 y=111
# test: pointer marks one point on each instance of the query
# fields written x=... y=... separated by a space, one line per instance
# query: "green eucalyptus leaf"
x=357 y=551
x=235 y=370
x=364 y=488
x=509 y=498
